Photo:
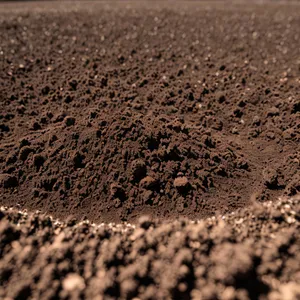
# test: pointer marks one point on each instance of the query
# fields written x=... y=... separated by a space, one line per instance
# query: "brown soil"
x=252 y=254
x=109 y=111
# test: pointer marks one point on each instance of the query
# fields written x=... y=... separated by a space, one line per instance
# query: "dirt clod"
x=8 y=181
x=24 y=152
x=70 y=121
x=181 y=182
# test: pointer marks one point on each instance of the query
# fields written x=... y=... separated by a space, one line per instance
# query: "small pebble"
x=181 y=182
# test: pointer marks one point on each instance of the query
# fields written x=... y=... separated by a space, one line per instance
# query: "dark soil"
x=251 y=254
x=110 y=111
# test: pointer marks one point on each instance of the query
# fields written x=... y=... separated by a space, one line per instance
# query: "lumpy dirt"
x=251 y=254
x=109 y=111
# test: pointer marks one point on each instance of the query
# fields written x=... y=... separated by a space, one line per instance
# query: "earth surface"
x=186 y=113
x=253 y=253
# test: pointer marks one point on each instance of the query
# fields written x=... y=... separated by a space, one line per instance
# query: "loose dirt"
x=109 y=111
x=253 y=253
x=186 y=112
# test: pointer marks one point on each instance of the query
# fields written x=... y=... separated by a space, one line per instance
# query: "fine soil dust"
x=253 y=253
x=109 y=111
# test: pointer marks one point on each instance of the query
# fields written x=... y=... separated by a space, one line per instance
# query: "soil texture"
x=113 y=110
x=253 y=253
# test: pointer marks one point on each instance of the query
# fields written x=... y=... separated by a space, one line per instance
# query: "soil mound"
x=111 y=111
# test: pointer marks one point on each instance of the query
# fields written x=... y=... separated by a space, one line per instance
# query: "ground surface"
x=113 y=110
x=252 y=254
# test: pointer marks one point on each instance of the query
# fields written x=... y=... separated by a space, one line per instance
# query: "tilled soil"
x=112 y=110
x=109 y=111
x=253 y=253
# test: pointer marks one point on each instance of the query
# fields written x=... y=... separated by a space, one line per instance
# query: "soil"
x=253 y=253
x=141 y=145
x=110 y=111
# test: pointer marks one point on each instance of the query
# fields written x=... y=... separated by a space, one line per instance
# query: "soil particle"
x=148 y=182
x=8 y=181
x=36 y=126
x=38 y=160
x=70 y=121
x=296 y=108
x=145 y=222
x=24 y=152
x=181 y=182
x=11 y=158
x=138 y=169
x=116 y=191
x=73 y=84
x=271 y=178
x=24 y=142
x=256 y=120
x=45 y=90
x=73 y=282
x=78 y=160
x=273 y=111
